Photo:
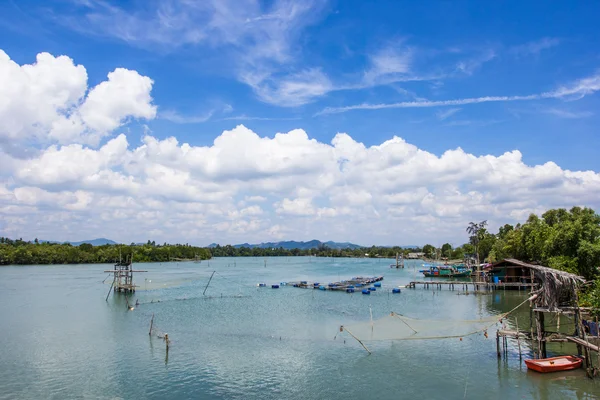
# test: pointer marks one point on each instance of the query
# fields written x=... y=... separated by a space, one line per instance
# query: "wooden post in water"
x=539 y=324
x=498 y=343
x=518 y=339
x=151 y=324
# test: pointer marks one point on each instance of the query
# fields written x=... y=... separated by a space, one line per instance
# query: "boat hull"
x=465 y=274
x=554 y=364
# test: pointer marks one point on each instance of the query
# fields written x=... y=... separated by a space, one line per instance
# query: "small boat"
x=445 y=271
x=554 y=364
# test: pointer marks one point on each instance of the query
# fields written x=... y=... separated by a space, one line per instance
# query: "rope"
x=412 y=337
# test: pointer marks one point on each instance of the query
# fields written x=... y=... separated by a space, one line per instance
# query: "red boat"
x=554 y=364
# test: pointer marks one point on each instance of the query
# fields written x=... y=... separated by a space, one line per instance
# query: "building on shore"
x=415 y=256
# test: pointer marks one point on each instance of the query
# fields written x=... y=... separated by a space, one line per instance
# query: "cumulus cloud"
x=49 y=101
x=343 y=190
x=76 y=183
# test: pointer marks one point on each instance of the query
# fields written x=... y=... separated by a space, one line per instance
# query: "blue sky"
x=489 y=78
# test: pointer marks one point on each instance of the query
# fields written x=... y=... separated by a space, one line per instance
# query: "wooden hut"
x=511 y=270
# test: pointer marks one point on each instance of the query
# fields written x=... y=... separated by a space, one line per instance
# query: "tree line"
x=20 y=252
x=568 y=240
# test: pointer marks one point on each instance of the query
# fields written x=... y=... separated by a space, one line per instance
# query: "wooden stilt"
x=539 y=324
x=518 y=337
x=498 y=343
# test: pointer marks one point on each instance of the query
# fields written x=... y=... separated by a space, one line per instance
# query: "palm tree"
x=475 y=230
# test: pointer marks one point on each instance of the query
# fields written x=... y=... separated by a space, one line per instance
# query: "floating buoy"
x=366 y=291
x=275 y=286
x=372 y=289
x=377 y=284
x=395 y=290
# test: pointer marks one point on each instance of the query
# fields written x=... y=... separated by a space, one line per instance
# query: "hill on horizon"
x=292 y=244
x=93 y=242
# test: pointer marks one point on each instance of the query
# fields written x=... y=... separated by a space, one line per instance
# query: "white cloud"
x=291 y=90
x=257 y=39
x=300 y=206
x=445 y=114
x=568 y=114
x=469 y=66
x=47 y=101
x=574 y=91
x=344 y=190
x=534 y=48
x=255 y=198
x=392 y=63
x=174 y=116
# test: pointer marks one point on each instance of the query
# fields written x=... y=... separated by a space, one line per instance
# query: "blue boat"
x=366 y=291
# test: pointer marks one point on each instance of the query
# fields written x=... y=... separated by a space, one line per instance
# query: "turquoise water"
x=61 y=339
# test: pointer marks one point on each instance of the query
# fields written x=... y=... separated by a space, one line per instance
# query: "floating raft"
x=348 y=286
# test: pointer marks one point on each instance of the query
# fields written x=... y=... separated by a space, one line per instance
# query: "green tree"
x=447 y=250
x=429 y=250
x=476 y=233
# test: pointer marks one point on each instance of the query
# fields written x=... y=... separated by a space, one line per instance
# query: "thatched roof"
x=556 y=288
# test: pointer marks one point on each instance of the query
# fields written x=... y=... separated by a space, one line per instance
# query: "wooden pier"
x=452 y=285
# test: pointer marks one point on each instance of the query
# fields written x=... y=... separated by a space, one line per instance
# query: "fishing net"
x=399 y=327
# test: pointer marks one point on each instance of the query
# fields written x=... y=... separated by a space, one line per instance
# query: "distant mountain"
x=291 y=244
x=93 y=242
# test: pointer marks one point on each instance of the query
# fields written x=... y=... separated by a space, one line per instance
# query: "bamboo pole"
x=518 y=338
x=357 y=339
x=210 y=279
x=111 y=286
x=151 y=324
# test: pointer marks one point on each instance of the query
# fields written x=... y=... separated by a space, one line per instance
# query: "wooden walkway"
x=465 y=285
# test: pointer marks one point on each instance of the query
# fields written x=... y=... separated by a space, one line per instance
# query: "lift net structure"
x=399 y=327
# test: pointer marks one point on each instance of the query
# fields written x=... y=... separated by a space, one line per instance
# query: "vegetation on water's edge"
x=25 y=253
x=567 y=240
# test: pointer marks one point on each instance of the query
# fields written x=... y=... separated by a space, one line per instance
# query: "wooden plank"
x=583 y=343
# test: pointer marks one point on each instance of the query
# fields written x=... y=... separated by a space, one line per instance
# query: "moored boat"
x=554 y=364
x=445 y=271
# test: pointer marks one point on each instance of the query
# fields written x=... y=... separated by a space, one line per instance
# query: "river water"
x=60 y=339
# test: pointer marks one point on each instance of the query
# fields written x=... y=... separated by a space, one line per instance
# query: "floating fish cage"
x=348 y=286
